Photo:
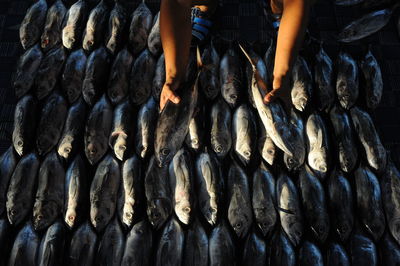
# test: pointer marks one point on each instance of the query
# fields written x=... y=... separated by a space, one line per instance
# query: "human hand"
x=281 y=90
x=167 y=93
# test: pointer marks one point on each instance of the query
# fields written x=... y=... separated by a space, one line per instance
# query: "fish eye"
x=290 y=160
x=113 y=94
x=156 y=215
x=13 y=212
x=264 y=224
x=98 y=219
x=122 y=147
x=67 y=150
x=90 y=42
x=165 y=152
x=128 y=215
x=218 y=148
x=186 y=209
x=271 y=152
x=238 y=225
x=93 y=151
x=39 y=217
x=71 y=218
x=20 y=143
x=213 y=210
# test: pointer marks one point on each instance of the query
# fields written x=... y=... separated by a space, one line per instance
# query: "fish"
x=170 y=247
x=221 y=248
x=122 y=132
x=337 y=255
x=290 y=213
x=104 y=192
x=20 y=193
x=71 y=136
x=230 y=76
x=32 y=24
x=139 y=28
x=318 y=154
x=309 y=254
x=93 y=34
x=50 y=126
x=118 y=81
x=75 y=195
x=73 y=75
x=141 y=77
x=51 y=35
x=347 y=81
x=5 y=240
x=348 y=2
x=265 y=145
x=240 y=214
x=48 y=71
x=196 y=134
x=341 y=205
x=25 y=247
x=181 y=183
x=314 y=204
x=96 y=75
x=158 y=194
x=324 y=81
x=25 y=117
x=282 y=253
x=111 y=246
x=221 y=125
x=8 y=162
x=28 y=65
x=264 y=200
x=139 y=243
x=97 y=130
x=49 y=200
x=345 y=139
x=389 y=250
x=269 y=60
x=154 y=40
x=254 y=252
x=159 y=78
x=363 y=251
x=299 y=143
x=302 y=88
x=262 y=71
x=195 y=251
x=374 y=150
x=116 y=26
x=74 y=24
x=244 y=132
x=369 y=202
x=209 y=77
x=145 y=127
x=373 y=80
x=131 y=194
x=365 y=26
x=82 y=249
x=51 y=250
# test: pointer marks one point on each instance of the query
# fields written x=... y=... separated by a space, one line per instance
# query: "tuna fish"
x=170 y=247
x=337 y=256
x=262 y=71
x=221 y=138
x=82 y=249
x=159 y=78
x=195 y=251
x=51 y=35
x=230 y=76
x=309 y=254
x=269 y=60
x=25 y=247
x=196 y=133
x=116 y=25
x=138 y=245
x=32 y=24
x=111 y=246
x=221 y=249
x=209 y=77
x=8 y=161
x=254 y=252
x=52 y=246
x=347 y=82
x=73 y=75
x=145 y=127
x=298 y=141
x=154 y=39
x=283 y=253
x=373 y=80
x=139 y=28
x=266 y=146
x=323 y=77
x=302 y=84
x=95 y=27
x=75 y=21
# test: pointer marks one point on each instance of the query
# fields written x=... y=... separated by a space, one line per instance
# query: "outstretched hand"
x=281 y=90
x=168 y=94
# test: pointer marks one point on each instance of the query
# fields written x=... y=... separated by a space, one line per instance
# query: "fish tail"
x=248 y=57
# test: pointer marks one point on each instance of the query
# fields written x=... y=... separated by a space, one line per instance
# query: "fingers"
x=271 y=95
x=168 y=94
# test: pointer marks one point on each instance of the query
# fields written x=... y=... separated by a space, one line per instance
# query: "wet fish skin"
x=25 y=247
x=116 y=25
x=310 y=254
x=82 y=249
x=302 y=88
x=20 y=194
x=221 y=248
x=51 y=35
x=347 y=81
x=262 y=71
x=170 y=247
x=145 y=127
x=138 y=245
x=363 y=251
x=139 y=28
x=221 y=138
x=195 y=251
x=209 y=77
x=337 y=256
x=283 y=253
x=52 y=245
x=8 y=162
x=27 y=68
x=159 y=77
x=196 y=134
x=158 y=194
x=298 y=140
x=96 y=74
x=389 y=250
x=254 y=252
x=346 y=146
x=95 y=26
x=374 y=150
x=51 y=123
x=373 y=80
x=71 y=136
x=97 y=130
x=230 y=77
x=32 y=24
x=73 y=75
x=154 y=39
x=75 y=21
x=323 y=78
x=103 y=192
x=111 y=246
x=118 y=81
x=266 y=146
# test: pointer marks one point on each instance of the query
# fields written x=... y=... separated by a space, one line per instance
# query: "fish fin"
x=279 y=209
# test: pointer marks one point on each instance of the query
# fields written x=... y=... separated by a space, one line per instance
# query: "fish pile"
x=97 y=175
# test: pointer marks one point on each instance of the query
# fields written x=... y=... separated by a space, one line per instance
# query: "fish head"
x=265 y=220
x=43 y=214
x=128 y=215
x=70 y=218
x=45 y=140
x=230 y=94
x=93 y=152
x=376 y=156
x=244 y=154
x=221 y=145
x=88 y=43
x=296 y=233
x=120 y=145
x=268 y=153
x=163 y=156
x=344 y=229
x=320 y=229
x=347 y=163
x=65 y=147
x=19 y=145
x=99 y=216
x=15 y=211
x=318 y=162
x=28 y=35
x=158 y=211
x=299 y=98
x=292 y=163
x=239 y=223
x=112 y=44
x=183 y=211
x=68 y=37
x=211 y=215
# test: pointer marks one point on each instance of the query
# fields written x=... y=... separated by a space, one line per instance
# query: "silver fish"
x=103 y=192
x=255 y=251
x=74 y=126
x=209 y=77
x=95 y=26
x=139 y=28
x=266 y=146
x=75 y=21
x=111 y=246
x=51 y=123
x=154 y=39
x=27 y=68
x=131 y=191
x=302 y=88
x=221 y=249
x=158 y=194
x=221 y=138
x=230 y=75
x=373 y=80
x=195 y=136
x=97 y=131
x=51 y=35
x=344 y=140
x=141 y=77
x=299 y=142
x=32 y=24
x=82 y=249
x=138 y=245
x=73 y=75
x=309 y=254
x=337 y=256
x=363 y=251
x=347 y=81
x=283 y=253
x=145 y=127
x=170 y=247
x=323 y=78
x=20 y=194
x=159 y=77
x=262 y=71
x=195 y=251
x=96 y=75
x=122 y=132
x=25 y=247
x=52 y=246
x=8 y=161
x=116 y=26
x=389 y=250
x=118 y=81
x=373 y=148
